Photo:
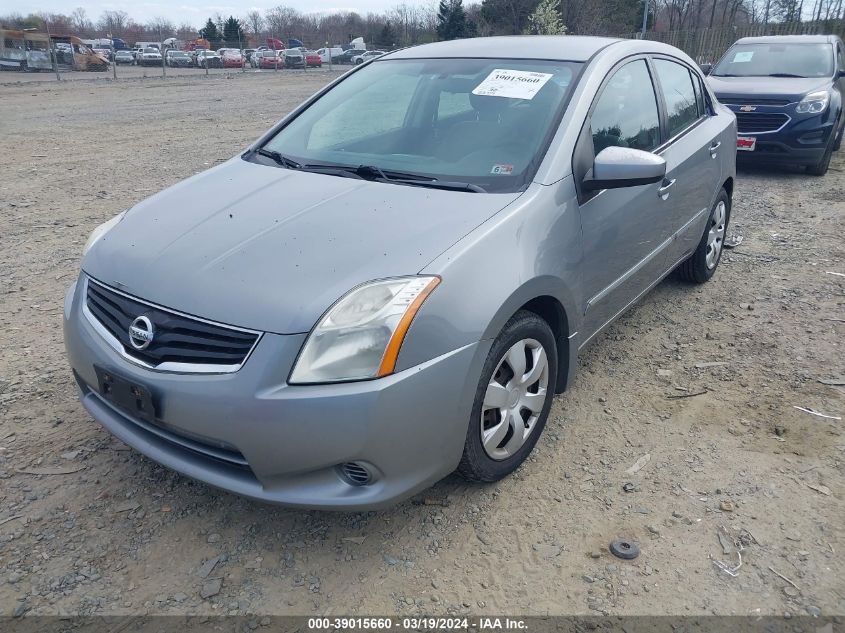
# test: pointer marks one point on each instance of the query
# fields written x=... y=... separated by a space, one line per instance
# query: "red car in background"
x=313 y=59
x=267 y=59
x=233 y=59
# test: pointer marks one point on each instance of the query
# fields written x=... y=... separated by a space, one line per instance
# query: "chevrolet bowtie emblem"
x=748 y=108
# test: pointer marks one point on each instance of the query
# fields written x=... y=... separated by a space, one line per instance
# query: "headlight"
x=360 y=335
x=101 y=230
x=813 y=103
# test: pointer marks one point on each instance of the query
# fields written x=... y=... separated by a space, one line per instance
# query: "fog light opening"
x=356 y=473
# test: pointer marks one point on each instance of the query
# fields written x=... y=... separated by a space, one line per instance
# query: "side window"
x=626 y=112
x=681 y=103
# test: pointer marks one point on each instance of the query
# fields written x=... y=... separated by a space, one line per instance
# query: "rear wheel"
x=701 y=265
x=513 y=399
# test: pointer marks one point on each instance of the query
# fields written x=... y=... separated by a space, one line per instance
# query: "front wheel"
x=701 y=265
x=513 y=399
x=821 y=167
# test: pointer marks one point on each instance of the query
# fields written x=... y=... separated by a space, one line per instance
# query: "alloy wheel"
x=514 y=399
x=716 y=236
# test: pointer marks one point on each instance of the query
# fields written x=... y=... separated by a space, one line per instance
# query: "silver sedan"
x=346 y=312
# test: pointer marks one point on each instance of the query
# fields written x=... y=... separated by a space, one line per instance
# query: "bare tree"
x=113 y=22
x=82 y=25
x=160 y=26
x=255 y=21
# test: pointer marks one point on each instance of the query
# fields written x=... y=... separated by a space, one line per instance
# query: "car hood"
x=271 y=249
x=792 y=88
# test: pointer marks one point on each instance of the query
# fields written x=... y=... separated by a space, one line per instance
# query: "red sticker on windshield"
x=503 y=170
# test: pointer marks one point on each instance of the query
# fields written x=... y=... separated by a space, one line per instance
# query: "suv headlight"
x=101 y=230
x=813 y=103
x=360 y=335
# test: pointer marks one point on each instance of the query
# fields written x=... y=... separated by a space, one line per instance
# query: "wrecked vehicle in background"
x=25 y=51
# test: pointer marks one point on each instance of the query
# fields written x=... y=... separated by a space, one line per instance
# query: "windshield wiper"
x=787 y=75
x=280 y=158
x=372 y=172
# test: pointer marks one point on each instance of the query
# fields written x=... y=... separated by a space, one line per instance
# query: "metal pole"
x=52 y=49
x=645 y=17
x=329 y=48
x=113 y=59
x=241 y=47
x=161 y=51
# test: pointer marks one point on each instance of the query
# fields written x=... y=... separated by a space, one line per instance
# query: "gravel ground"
x=89 y=526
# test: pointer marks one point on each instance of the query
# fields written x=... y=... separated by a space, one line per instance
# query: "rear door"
x=624 y=230
x=694 y=143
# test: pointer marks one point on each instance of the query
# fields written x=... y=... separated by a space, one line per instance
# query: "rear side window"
x=681 y=102
x=626 y=112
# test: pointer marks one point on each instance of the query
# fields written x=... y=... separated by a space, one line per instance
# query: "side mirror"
x=705 y=68
x=617 y=167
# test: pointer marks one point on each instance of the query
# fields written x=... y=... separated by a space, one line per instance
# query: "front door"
x=624 y=230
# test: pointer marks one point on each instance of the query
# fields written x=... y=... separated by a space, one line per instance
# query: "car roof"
x=577 y=48
x=789 y=39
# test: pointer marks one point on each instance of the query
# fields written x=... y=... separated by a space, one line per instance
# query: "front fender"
x=530 y=250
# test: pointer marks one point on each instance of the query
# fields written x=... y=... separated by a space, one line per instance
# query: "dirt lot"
x=89 y=526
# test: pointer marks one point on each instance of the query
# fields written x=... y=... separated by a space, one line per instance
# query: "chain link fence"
x=706 y=46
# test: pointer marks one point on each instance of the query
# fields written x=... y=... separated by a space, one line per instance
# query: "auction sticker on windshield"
x=512 y=84
x=743 y=56
x=505 y=170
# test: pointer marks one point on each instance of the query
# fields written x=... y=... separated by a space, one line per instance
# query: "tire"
x=837 y=144
x=821 y=167
x=504 y=452
x=701 y=265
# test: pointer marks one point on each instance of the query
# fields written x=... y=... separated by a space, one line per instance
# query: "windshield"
x=776 y=60
x=486 y=122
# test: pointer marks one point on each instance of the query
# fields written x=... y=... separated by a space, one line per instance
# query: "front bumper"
x=252 y=434
x=801 y=141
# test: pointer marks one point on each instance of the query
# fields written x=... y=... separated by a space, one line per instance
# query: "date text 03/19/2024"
x=416 y=623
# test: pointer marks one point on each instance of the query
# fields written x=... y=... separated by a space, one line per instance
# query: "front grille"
x=750 y=122
x=741 y=101
x=176 y=338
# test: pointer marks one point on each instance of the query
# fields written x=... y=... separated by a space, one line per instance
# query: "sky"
x=195 y=12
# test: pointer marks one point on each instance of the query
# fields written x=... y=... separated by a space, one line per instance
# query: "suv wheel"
x=513 y=399
x=820 y=168
x=701 y=265
x=838 y=143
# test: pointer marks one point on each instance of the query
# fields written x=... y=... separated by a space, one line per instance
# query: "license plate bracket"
x=746 y=143
x=131 y=397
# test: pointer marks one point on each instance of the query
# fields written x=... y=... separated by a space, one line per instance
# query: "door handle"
x=663 y=192
x=715 y=146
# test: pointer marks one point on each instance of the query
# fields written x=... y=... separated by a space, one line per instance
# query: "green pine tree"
x=546 y=20
x=210 y=32
x=233 y=33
